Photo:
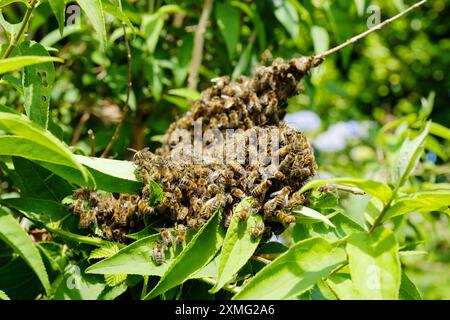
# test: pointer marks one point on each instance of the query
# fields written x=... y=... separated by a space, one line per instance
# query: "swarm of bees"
x=194 y=191
x=115 y=215
x=249 y=102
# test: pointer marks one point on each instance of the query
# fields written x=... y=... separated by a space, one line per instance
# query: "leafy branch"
x=16 y=38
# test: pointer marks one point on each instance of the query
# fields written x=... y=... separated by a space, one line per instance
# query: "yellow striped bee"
x=158 y=253
x=166 y=237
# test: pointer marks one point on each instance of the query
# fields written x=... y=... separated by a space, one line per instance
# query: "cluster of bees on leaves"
x=193 y=191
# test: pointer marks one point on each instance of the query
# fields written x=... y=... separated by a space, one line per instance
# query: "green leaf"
x=151 y=28
x=112 y=175
x=344 y=226
x=308 y=215
x=4 y=3
x=374 y=264
x=13 y=234
x=342 y=285
x=374 y=188
x=11 y=64
x=77 y=285
x=440 y=131
x=116 y=13
x=37 y=82
x=135 y=259
x=104 y=251
x=59 y=10
x=360 y=6
x=321 y=39
x=287 y=15
x=294 y=272
x=37 y=182
x=408 y=290
x=408 y=157
x=238 y=246
x=113 y=280
x=3 y=296
x=425 y=201
x=187 y=93
x=43 y=211
x=257 y=21
x=33 y=137
x=228 y=19
x=199 y=251
x=94 y=10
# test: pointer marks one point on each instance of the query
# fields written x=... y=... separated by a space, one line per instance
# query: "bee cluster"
x=115 y=215
x=249 y=102
x=193 y=191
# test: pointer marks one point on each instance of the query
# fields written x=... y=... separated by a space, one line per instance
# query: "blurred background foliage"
x=397 y=72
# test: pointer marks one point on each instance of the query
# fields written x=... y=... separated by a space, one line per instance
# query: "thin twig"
x=23 y=26
x=199 y=39
x=126 y=107
x=353 y=190
x=375 y=28
x=229 y=288
x=261 y=259
x=92 y=142
x=77 y=133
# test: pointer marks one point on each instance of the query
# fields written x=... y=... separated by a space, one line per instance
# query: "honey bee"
x=282 y=152
x=144 y=208
x=88 y=218
x=301 y=173
x=227 y=219
x=177 y=193
x=257 y=230
x=238 y=193
x=248 y=123
x=234 y=119
x=181 y=233
x=78 y=206
x=296 y=199
x=212 y=190
x=182 y=213
x=213 y=204
x=187 y=183
x=244 y=214
x=107 y=232
x=213 y=123
x=279 y=175
x=262 y=188
x=282 y=196
x=224 y=121
x=236 y=167
x=82 y=193
x=285 y=163
x=140 y=155
x=158 y=253
x=284 y=218
x=166 y=237
x=269 y=207
x=250 y=179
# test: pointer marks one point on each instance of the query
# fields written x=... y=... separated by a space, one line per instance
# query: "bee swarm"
x=193 y=192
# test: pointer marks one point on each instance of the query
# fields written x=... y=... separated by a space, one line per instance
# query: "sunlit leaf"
x=94 y=11
x=15 y=63
x=228 y=20
x=15 y=236
x=294 y=272
x=238 y=245
x=374 y=264
x=200 y=250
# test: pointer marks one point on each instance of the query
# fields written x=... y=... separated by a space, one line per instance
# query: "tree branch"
x=321 y=56
x=199 y=39
x=19 y=34
x=126 y=107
